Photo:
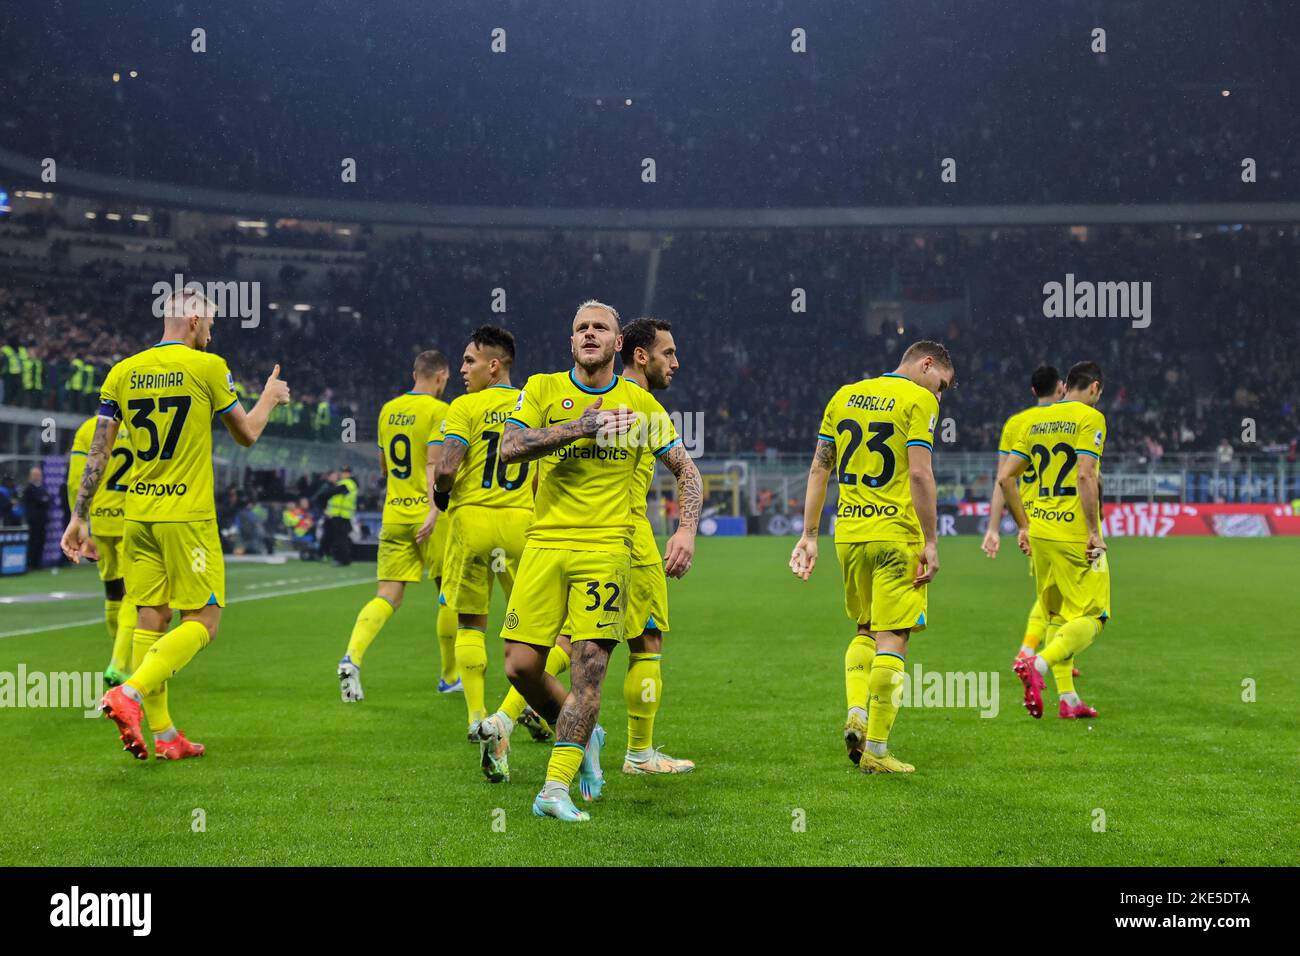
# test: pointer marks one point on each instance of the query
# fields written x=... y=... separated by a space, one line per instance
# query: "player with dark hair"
x=485 y=505
x=650 y=360
x=878 y=435
x=410 y=442
x=1048 y=388
x=1061 y=530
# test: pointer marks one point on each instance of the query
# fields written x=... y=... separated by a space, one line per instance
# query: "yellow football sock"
x=169 y=654
x=369 y=622
x=122 y=642
x=642 y=688
x=857 y=669
x=111 y=610
x=886 y=678
x=1072 y=638
x=448 y=637
x=563 y=766
x=471 y=663
x=1035 y=627
x=155 y=704
x=557 y=662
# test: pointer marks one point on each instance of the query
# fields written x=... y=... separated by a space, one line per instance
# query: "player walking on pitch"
x=410 y=442
x=878 y=434
x=1061 y=530
x=587 y=428
x=107 y=516
x=486 y=504
x=1048 y=388
x=168 y=395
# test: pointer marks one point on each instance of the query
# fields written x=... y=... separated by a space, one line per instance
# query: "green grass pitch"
x=1185 y=771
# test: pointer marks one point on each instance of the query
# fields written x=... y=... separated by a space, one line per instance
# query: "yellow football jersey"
x=1010 y=432
x=477 y=421
x=1052 y=437
x=645 y=550
x=108 y=507
x=871 y=423
x=166 y=396
x=408 y=424
x=585 y=489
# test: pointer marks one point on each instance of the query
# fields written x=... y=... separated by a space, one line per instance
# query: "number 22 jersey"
x=167 y=396
x=872 y=423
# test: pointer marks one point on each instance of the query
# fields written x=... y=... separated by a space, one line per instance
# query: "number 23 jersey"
x=408 y=425
x=872 y=423
x=166 y=396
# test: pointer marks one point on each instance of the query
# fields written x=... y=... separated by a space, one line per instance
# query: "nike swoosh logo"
x=558 y=421
x=610 y=624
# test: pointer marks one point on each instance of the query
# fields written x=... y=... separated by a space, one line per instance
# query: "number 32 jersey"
x=477 y=421
x=408 y=424
x=1053 y=437
x=166 y=396
x=872 y=423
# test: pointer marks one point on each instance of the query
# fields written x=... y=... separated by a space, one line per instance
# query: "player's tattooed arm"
x=529 y=444
x=453 y=453
x=819 y=472
x=690 y=487
x=96 y=462
x=587 y=673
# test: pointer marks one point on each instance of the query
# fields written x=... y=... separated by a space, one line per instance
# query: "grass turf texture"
x=1186 y=772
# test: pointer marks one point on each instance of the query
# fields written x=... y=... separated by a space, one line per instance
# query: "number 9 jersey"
x=872 y=423
x=166 y=396
x=408 y=424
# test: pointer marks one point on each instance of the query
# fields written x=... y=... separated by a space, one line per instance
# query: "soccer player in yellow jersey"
x=1048 y=388
x=485 y=504
x=649 y=355
x=587 y=429
x=410 y=441
x=167 y=395
x=107 y=511
x=878 y=436
x=1061 y=530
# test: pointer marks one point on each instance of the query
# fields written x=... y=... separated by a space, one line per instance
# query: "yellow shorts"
x=878 y=591
x=581 y=593
x=481 y=542
x=112 y=557
x=178 y=563
x=647 y=600
x=401 y=558
x=1069 y=585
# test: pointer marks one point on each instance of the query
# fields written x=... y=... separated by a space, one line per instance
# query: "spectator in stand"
x=36 y=510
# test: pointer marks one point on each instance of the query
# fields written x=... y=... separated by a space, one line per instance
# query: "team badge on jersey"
x=567 y=404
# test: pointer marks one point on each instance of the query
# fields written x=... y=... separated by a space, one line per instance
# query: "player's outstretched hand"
x=679 y=553
x=1022 y=539
x=77 y=542
x=278 y=389
x=928 y=566
x=804 y=557
x=992 y=541
x=615 y=422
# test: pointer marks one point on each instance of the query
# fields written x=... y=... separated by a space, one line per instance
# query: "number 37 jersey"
x=166 y=396
x=408 y=425
x=1054 y=438
x=477 y=421
x=872 y=423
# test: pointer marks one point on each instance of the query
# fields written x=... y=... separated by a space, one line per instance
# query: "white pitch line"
x=237 y=600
